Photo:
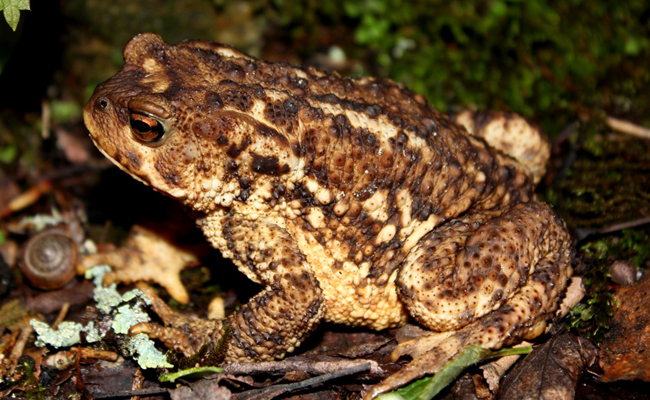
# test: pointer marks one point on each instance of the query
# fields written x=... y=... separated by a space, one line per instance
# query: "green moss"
x=538 y=58
x=591 y=317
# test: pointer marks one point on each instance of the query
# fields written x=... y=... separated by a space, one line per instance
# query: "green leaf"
x=426 y=388
x=12 y=9
x=197 y=372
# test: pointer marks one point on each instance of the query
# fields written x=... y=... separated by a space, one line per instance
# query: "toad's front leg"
x=272 y=323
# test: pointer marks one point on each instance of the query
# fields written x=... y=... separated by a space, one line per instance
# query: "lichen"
x=127 y=310
x=67 y=334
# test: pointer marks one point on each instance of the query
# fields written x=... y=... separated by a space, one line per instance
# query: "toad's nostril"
x=102 y=103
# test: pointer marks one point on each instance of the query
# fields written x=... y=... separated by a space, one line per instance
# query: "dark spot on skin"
x=234 y=71
x=237 y=98
x=300 y=192
x=232 y=166
x=497 y=296
x=397 y=121
x=272 y=133
x=228 y=84
x=234 y=150
x=312 y=114
x=373 y=111
x=222 y=140
x=343 y=124
x=369 y=138
x=329 y=98
x=502 y=279
x=174 y=88
x=213 y=100
x=352 y=105
x=268 y=165
x=322 y=175
x=430 y=126
x=133 y=159
x=481 y=118
x=245 y=186
x=278 y=190
x=170 y=177
x=300 y=82
x=291 y=107
x=297 y=149
x=258 y=91
x=282 y=114
x=401 y=142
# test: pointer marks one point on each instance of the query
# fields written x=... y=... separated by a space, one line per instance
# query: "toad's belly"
x=351 y=296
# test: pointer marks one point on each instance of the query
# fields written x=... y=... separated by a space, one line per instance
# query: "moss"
x=522 y=56
x=591 y=317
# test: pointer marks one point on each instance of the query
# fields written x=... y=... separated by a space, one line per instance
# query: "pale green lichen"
x=145 y=353
x=135 y=293
x=39 y=222
x=67 y=334
x=127 y=310
x=127 y=316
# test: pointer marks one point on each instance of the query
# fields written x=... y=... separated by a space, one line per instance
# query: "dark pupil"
x=146 y=128
x=140 y=126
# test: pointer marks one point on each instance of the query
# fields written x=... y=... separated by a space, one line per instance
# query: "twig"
x=19 y=346
x=574 y=293
x=136 y=384
x=34 y=194
x=628 y=128
x=62 y=313
x=27 y=198
x=66 y=358
x=625 y=225
x=494 y=371
x=572 y=154
x=277 y=390
x=583 y=233
x=310 y=367
x=130 y=393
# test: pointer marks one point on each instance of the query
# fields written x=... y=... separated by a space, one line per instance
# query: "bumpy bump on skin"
x=349 y=200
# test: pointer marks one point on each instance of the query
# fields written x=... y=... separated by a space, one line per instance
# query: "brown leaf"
x=207 y=389
x=77 y=294
x=349 y=344
x=107 y=379
x=551 y=371
x=470 y=387
x=625 y=352
x=145 y=256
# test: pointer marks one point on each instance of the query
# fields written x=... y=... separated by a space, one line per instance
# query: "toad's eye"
x=146 y=127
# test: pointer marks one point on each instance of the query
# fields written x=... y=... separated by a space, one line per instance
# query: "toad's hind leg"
x=511 y=134
x=490 y=279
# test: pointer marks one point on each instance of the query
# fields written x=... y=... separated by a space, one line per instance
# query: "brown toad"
x=350 y=201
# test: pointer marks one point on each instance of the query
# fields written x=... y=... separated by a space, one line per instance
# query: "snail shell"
x=48 y=260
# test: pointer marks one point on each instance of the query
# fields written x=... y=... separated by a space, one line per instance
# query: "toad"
x=349 y=200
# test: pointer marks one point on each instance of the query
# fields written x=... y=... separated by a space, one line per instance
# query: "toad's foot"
x=182 y=333
x=490 y=278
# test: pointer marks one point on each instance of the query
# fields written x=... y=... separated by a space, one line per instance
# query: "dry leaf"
x=625 y=352
x=551 y=371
